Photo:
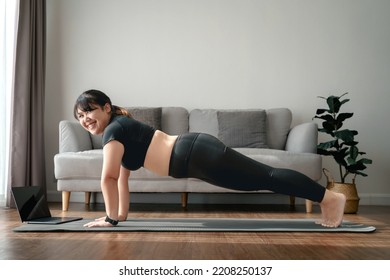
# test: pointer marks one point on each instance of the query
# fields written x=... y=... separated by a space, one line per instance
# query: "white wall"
x=227 y=54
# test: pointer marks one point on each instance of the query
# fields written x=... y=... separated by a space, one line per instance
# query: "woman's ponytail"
x=121 y=111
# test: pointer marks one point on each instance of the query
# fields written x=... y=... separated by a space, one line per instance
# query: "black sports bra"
x=135 y=136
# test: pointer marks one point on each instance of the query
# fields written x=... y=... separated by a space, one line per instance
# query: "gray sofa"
x=264 y=135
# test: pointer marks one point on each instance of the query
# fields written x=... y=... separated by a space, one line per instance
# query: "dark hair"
x=89 y=99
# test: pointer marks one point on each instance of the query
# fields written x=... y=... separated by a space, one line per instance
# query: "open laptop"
x=33 y=208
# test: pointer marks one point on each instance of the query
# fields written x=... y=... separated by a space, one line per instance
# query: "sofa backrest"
x=177 y=120
x=275 y=126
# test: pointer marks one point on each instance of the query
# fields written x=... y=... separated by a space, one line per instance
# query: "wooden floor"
x=198 y=245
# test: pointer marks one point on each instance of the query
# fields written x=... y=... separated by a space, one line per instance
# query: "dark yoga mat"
x=202 y=224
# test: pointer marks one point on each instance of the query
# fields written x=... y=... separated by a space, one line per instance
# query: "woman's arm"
x=124 y=194
x=112 y=157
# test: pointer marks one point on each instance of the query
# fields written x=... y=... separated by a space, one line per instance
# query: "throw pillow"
x=148 y=115
x=242 y=128
x=204 y=120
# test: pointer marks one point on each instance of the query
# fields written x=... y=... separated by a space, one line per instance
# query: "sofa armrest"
x=303 y=138
x=73 y=137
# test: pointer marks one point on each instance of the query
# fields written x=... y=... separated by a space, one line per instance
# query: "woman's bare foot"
x=122 y=218
x=332 y=209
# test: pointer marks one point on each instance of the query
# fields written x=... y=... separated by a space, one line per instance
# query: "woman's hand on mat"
x=120 y=218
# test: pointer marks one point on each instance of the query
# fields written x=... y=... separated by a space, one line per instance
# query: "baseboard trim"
x=374 y=199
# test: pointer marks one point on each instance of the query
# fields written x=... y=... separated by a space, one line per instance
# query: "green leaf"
x=353 y=168
x=326 y=145
x=354 y=152
x=324 y=152
x=343 y=116
x=361 y=173
x=349 y=143
x=334 y=104
x=340 y=157
x=346 y=135
x=365 y=161
x=329 y=127
x=345 y=100
x=327 y=118
x=321 y=111
x=351 y=161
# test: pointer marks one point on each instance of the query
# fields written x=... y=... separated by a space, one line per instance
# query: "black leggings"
x=202 y=156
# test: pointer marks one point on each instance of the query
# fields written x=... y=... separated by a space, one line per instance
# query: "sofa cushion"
x=242 y=128
x=204 y=120
x=174 y=120
x=224 y=125
x=88 y=165
x=78 y=165
x=278 y=127
x=73 y=137
x=148 y=115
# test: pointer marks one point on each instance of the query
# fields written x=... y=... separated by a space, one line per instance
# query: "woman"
x=129 y=144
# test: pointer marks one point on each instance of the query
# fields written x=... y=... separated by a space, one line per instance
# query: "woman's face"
x=96 y=120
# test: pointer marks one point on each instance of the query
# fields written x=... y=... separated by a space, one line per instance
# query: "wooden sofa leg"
x=184 y=199
x=309 y=206
x=292 y=202
x=65 y=200
x=87 y=198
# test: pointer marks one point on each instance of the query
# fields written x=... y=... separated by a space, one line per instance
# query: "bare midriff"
x=159 y=153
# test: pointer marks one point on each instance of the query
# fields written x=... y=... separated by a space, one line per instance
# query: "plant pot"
x=348 y=189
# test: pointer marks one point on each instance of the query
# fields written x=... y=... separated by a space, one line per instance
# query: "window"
x=8 y=23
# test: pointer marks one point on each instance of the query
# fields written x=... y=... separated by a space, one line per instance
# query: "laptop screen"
x=31 y=202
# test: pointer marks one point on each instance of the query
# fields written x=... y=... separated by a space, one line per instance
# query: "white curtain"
x=8 y=27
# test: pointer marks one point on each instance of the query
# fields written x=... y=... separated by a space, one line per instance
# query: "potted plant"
x=343 y=148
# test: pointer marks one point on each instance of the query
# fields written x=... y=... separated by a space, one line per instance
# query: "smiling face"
x=95 y=119
x=93 y=110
